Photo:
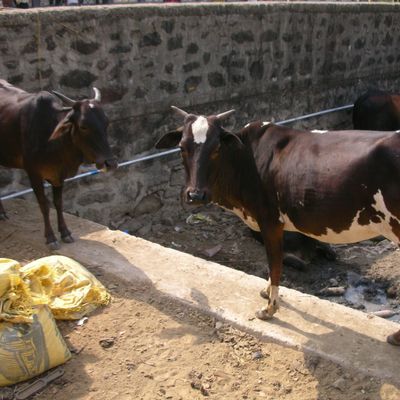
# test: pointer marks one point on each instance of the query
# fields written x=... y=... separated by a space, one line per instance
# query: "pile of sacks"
x=31 y=297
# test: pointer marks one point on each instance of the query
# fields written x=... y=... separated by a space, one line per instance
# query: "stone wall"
x=268 y=61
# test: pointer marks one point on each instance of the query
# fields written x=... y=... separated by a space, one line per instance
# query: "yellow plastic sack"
x=15 y=298
x=65 y=286
x=30 y=342
x=27 y=350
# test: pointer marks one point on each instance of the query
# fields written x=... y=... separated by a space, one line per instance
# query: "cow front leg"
x=37 y=186
x=273 y=240
x=62 y=226
x=3 y=215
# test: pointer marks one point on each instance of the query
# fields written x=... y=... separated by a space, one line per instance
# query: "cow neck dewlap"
x=243 y=214
x=200 y=129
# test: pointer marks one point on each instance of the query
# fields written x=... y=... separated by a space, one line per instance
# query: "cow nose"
x=111 y=164
x=196 y=195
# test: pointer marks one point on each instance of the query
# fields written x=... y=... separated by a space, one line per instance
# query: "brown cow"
x=50 y=142
x=341 y=187
x=376 y=110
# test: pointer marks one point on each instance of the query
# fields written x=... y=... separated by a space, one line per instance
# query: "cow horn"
x=225 y=114
x=97 y=95
x=180 y=112
x=65 y=99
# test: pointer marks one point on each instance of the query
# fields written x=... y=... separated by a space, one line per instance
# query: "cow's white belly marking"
x=356 y=232
x=386 y=229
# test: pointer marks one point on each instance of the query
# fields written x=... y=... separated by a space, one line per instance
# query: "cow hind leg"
x=3 y=215
x=62 y=226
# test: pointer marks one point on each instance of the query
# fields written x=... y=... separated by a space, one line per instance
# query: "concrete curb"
x=337 y=333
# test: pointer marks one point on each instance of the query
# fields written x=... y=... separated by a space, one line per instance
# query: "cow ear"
x=231 y=138
x=72 y=116
x=170 y=139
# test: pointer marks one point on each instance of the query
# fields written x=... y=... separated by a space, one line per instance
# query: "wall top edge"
x=16 y=17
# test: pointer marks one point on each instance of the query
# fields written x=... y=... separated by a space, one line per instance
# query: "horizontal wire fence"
x=52 y=3
x=172 y=151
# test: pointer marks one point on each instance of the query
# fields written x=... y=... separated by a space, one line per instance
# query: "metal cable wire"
x=168 y=152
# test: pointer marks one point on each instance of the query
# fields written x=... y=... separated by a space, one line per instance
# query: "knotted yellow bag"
x=30 y=342
x=69 y=289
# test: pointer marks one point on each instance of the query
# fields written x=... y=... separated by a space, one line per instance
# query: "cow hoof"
x=392 y=339
x=264 y=293
x=68 y=239
x=53 y=245
x=3 y=217
x=263 y=315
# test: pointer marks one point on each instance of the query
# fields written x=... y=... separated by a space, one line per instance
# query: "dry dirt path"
x=160 y=349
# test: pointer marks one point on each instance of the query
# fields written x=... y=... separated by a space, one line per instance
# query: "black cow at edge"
x=338 y=188
x=50 y=142
x=376 y=110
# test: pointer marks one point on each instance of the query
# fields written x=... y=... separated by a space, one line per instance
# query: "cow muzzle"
x=108 y=165
x=196 y=196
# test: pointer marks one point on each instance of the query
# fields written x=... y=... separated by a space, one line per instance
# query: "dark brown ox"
x=341 y=187
x=50 y=142
x=376 y=110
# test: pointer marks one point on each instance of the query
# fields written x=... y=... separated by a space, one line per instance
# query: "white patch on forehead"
x=200 y=129
x=266 y=123
x=320 y=131
x=247 y=125
x=91 y=105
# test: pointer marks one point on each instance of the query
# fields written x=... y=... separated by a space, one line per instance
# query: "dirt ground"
x=156 y=348
x=367 y=272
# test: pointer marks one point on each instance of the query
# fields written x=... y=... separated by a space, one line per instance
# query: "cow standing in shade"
x=50 y=142
x=342 y=187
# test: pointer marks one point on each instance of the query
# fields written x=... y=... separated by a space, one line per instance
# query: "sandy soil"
x=159 y=349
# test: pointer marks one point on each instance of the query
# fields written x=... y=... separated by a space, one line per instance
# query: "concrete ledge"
x=346 y=336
